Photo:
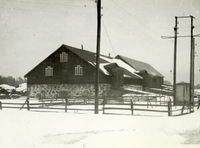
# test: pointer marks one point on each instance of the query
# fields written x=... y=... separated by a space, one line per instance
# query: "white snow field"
x=32 y=129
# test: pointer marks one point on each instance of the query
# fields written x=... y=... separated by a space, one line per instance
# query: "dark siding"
x=64 y=72
x=151 y=81
x=133 y=81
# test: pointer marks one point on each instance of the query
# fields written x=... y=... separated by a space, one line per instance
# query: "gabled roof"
x=84 y=54
x=140 y=66
x=90 y=57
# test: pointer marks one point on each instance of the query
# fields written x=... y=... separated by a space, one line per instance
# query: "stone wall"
x=52 y=90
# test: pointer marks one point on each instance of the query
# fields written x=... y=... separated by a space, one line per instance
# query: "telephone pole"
x=191 y=64
x=175 y=55
x=192 y=56
x=97 y=56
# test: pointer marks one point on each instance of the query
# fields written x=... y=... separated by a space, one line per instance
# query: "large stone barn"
x=73 y=70
x=151 y=77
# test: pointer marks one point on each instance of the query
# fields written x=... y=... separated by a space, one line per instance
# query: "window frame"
x=49 y=71
x=63 y=57
x=78 y=70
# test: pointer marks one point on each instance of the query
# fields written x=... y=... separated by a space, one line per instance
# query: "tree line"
x=11 y=80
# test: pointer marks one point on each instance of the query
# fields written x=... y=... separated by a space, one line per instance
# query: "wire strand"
x=109 y=39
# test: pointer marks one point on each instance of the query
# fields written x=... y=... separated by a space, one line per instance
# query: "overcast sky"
x=32 y=29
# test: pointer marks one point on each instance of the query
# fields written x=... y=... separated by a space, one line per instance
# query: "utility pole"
x=191 y=64
x=97 y=56
x=175 y=55
x=192 y=57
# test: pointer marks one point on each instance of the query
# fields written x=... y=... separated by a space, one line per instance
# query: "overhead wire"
x=108 y=36
x=50 y=3
x=121 y=8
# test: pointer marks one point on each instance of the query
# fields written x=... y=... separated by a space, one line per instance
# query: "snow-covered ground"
x=31 y=129
x=197 y=91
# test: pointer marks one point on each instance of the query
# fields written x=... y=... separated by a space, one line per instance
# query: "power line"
x=121 y=8
x=183 y=36
x=52 y=4
x=107 y=34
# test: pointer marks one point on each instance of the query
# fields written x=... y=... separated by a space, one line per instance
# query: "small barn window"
x=48 y=71
x=63 y=57
x=78 y=70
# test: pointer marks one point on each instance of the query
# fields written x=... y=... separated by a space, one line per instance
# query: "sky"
x=30 y=30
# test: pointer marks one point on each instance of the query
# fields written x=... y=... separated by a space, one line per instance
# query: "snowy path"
x=22 y=129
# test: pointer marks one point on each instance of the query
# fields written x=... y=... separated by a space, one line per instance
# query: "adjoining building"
x=151 y=77
x=73 y=70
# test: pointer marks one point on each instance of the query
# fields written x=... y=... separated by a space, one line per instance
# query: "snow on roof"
x=127 y=76
x=163 y=90
x=101 y=67
x=140 y=66
x=121 y=64
x=7 y=87
x=136 y=91
x=22 y=87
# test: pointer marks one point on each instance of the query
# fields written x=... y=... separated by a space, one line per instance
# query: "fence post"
x=169 y=108
x=104 y=102
x=0 y=105
x=198 y=103
x=132 y=107
x=28 y=105
x=182 y=110
x=66 y=103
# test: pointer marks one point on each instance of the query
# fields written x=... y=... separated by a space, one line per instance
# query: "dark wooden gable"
x=64 y=72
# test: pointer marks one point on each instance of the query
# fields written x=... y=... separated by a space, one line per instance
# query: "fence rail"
x=107 y=104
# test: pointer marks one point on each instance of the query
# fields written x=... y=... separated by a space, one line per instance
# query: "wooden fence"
x=168 y=107
x=106 y=104
x=49 y=104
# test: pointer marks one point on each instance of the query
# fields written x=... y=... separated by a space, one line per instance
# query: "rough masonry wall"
x=52 y=90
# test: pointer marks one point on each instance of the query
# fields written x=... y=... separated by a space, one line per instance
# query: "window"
x=48 y=71
x=78 y=70
x=63 y=57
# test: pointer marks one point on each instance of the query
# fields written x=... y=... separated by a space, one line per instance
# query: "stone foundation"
x=52 y=90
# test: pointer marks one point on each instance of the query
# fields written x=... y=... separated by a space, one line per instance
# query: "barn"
x=151 y=77
x=73 y=70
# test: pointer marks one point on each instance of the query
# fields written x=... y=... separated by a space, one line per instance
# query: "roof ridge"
x=133 y=59
x=140 y=65
x=67 y=46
